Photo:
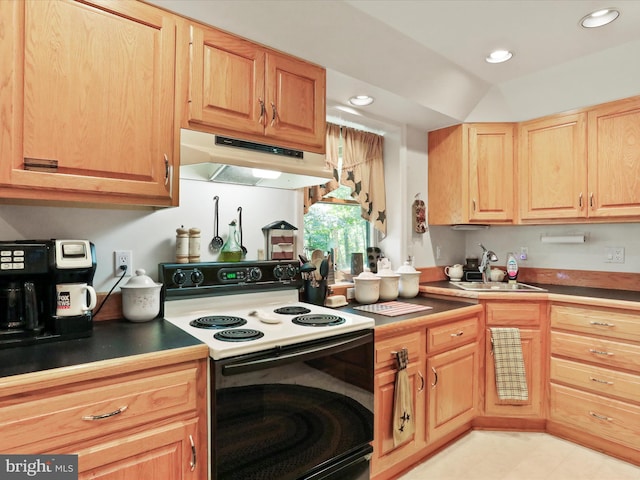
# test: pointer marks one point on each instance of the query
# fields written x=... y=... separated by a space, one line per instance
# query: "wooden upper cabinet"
x=471 y=174
x=92 y=99
x=552 y=167
x=614 y=159
x=239 y=88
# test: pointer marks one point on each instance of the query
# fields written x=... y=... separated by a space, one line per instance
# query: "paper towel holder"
x=573 y=238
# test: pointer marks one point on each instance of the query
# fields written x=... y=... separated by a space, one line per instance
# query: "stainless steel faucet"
x=487 y=257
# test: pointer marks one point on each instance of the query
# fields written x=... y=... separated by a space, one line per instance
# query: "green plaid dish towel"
x=511 y=379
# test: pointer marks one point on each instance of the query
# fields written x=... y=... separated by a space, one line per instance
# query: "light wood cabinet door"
x=614 y=159
x=92 y=102
x=452 y=397
x=471 y=174
x=244 y=90
x=552 y=168
x=227 y=82
x=296 y=98
x=490 y=169
x=169 y=452
x=531 y=341
x=385 y=454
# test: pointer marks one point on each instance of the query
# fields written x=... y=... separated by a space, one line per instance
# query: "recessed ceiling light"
x=499 y=56
x=361 y=100
x=599 y=18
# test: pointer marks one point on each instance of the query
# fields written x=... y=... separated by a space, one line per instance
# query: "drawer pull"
x=602 y=324
x=459 y=334
x=601 y=417
x=598 y=352
x=192 y=464
x=597 y=380
x=105 y=415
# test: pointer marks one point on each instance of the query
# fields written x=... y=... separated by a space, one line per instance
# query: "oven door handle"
x=297 y=354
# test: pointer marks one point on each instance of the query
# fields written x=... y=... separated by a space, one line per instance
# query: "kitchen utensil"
x=409 y=284
x=140 y=298
x=216 y=241
x=303 y=259
x=367 y=287
x=242 y=247
x=324 y=268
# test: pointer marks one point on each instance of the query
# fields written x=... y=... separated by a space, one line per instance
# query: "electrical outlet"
x=524 y=253
x=438 y=252
x=122 y=258
x=351 y=293
x=614 y=254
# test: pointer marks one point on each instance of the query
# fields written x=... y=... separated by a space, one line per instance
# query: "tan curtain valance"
x=362 y=171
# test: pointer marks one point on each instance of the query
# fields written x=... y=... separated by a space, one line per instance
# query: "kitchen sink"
x=497 y=287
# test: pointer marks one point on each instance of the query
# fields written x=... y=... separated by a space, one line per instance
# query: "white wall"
x=150 y=234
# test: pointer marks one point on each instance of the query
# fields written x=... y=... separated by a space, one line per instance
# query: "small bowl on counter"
x=367 y=287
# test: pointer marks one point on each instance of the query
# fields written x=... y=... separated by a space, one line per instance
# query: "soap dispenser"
x=512 y=268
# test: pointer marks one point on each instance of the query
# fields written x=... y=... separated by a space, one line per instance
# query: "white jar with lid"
x=140 y=298
x=409 y=285
x=388 y=284
x=367 y=286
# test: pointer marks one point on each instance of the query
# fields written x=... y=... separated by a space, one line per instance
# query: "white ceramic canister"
x=389 y=281
x=140 y=298
x=367 y=286
x=409 y=285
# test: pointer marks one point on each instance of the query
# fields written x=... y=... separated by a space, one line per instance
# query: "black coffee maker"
x=29 y=273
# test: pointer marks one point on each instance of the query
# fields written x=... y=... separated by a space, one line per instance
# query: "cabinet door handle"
x=597 y=380
x=580 y=201
x=459 y=334
x=166 y=169
x=435 y=379
x=473 y=204
x=591 y=200
x=263 y=111
x=421 y=382
x=105 y=415
x=192 y=464
x=601 y=417
x=600 y=352
x=602 y=324
x=275 y=114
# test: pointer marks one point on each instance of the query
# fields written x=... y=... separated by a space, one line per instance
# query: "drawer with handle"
x=596 y=350
x=610 y=419
x=625 y=386
x=452 y=335
x=606 y=323
x=81 y=411
x=385 y=350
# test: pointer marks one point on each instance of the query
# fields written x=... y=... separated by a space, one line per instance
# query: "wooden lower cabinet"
x=133 y=417
x=444 y=407
x=595 y=378
x=163 y=452
x=452 y=397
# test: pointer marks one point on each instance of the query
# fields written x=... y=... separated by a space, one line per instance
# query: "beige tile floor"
x=520 y=456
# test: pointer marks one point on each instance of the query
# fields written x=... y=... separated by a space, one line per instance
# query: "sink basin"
x=497 y=287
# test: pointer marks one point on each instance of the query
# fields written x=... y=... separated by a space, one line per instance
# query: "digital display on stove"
x=231 y=276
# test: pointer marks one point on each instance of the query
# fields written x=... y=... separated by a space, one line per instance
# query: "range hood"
x=214 y=158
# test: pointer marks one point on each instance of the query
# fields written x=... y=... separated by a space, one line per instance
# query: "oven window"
x=283 y=422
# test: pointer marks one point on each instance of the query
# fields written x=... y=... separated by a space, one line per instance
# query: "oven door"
x=298 y=412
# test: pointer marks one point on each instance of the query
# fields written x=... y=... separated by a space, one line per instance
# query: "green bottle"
x=231 y=250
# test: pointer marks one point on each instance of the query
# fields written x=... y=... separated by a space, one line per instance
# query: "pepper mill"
x=182 y=245
x=194 y=245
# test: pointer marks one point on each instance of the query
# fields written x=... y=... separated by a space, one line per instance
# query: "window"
x=335 y=223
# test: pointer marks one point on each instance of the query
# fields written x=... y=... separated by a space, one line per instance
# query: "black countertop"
x=439 y=305
x=111 y=339
x=603 y=293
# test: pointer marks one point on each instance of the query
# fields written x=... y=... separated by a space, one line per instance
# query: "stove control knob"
x=197 y=277
x=278 y=272
x=179 y=278
x=254 y=274
x=291 y=271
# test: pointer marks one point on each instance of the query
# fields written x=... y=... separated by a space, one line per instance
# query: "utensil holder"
x=315 y=291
